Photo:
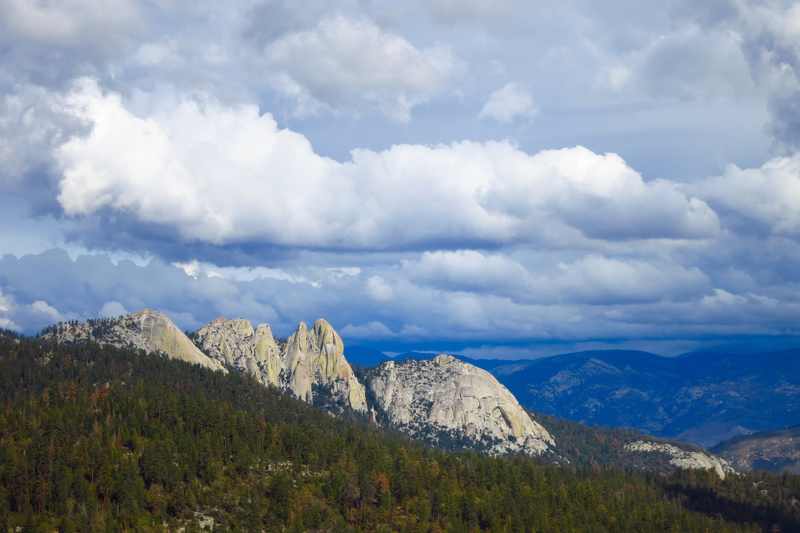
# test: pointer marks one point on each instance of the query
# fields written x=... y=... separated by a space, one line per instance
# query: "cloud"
x=32 y=126
x=68 y=22
x=472 y=10
x=593 y=297
x=602 y=281
x=6 y=303
x=765 y=199
x=379 y=290
x=508 y=103
x=372 y=330
x=593 y=279
x=468 y=270
x=41 y=289
x=354 y=66
x=27 y=316
x=112 y=309
x=248 y=143
x=741 y=52
x=223 y=175
x=690 y=63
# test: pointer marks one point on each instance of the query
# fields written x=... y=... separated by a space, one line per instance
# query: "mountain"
x=99 y=438
x=146 y=330
x=579 y=445
x=774 y=451
x=452 y=404
x=307 y=360
x=701 y=398
x=430 y=397
x=443 y=401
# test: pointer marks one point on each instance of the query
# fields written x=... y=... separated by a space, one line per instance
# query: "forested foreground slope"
x=102 y=439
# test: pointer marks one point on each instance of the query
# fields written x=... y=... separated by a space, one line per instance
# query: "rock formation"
x=427 y=397
x=235 y=344
x=306 y=359
x=774 y=451
x=146 y=330
x=682 y=458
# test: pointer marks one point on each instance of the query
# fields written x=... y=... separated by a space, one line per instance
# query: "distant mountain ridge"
x=700 y=398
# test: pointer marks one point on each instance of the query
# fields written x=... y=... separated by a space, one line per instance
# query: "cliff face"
x=427 y=397
x=146 y=330
x=306 y=359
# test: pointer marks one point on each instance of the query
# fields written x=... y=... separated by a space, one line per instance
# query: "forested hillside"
x=100 y=439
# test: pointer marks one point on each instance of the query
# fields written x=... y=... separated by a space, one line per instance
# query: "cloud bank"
x=220 y=175
x=490 y=176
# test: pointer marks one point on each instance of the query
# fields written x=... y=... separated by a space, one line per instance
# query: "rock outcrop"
x=146 y=330
x=774 y=451
x=307 y=359
x=235 y=344
x=444 y=396
x=683 y=458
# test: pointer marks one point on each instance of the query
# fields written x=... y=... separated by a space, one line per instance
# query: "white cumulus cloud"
x=371 y=330
x=508 y=103
x=219 y=174
x=379 y=290
x=113 y=309
x=769 y=195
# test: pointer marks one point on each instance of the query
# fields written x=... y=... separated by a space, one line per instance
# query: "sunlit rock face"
x=446 y=396
x=237 y=345
x=146 y=330
x=683 y=458
x=329 y=366
x=307 y=359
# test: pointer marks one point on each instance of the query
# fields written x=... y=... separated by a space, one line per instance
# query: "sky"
x=491 y=178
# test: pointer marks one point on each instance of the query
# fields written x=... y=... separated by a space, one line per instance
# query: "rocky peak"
x=146 y=330
x=331 y=359
x=325 y=333
x=428 y=397
x=297 y=365
x=237 y=345
x=308 y=359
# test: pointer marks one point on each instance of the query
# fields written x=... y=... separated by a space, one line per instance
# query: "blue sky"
x=492 y=178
